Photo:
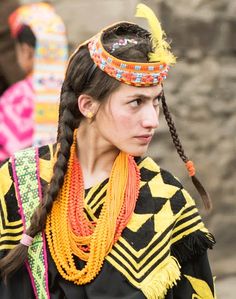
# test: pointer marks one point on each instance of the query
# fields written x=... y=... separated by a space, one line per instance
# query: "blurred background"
x=201 y=94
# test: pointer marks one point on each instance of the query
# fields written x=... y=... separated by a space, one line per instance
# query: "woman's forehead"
x=130 y=91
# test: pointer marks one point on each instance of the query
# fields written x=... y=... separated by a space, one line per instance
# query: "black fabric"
x=109 y=284
x=168 y=178
x=147 y=204
x=198 y=268
x=11 y=205
x=18 y=286
x=44 y=152
x=192 y=245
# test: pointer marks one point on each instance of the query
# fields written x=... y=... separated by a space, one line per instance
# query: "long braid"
x=67 y=124
x=16 y=257
x=189 y=164
x=173 y=131
x=65 y=140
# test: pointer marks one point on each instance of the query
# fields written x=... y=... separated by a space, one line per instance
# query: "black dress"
x=165 y=227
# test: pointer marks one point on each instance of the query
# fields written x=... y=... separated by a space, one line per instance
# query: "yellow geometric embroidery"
x=200 y=287
x=137 y=220
x=149 y=164
x=46 y=169
x=159 y=189
x=164 y=218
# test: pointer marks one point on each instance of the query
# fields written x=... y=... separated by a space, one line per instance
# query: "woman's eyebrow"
x=144 y=96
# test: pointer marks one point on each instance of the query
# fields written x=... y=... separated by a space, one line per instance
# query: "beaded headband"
x=135 y=73
x=132 y=73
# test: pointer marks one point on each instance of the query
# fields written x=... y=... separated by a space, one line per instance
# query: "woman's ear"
x=87 y=105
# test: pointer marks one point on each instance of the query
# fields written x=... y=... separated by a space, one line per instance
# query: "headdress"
x=51 y=54
x=135 y=73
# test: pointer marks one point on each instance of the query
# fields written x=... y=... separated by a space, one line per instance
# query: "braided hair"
x=179 y=148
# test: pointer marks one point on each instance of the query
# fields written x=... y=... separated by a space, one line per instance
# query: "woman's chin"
x=137 y=153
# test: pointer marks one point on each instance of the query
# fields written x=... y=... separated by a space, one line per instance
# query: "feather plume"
x=161 y=48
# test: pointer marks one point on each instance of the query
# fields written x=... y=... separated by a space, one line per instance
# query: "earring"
x=89 y=114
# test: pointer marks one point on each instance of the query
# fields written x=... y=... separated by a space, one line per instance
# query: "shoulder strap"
x=25 y=166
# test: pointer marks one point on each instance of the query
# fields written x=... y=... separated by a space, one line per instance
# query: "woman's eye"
x=136 y=102
x=156 y=102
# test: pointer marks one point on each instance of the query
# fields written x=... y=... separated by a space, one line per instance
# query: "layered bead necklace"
x=70 y=233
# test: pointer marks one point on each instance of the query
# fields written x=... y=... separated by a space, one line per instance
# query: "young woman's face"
x=129 y=118
x=25 y=57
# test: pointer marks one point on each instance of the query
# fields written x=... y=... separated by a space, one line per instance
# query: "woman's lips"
x=144 y=138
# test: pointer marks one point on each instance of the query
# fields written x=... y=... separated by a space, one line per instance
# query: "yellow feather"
x=161 y=48
x=144 y=11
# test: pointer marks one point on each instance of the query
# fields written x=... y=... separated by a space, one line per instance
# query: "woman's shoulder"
x=10 y=220
x=16 y=174
x=162 y=186
x=150 y=171
x=46 y=161
x=6 y=175
x=43 y=157
x=46 y=152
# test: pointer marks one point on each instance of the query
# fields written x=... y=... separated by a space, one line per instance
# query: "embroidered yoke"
x=160 y=254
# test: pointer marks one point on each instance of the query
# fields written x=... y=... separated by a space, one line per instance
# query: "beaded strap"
x=26 y=177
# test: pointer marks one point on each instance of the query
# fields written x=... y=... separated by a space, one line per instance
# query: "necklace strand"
x=70 y=233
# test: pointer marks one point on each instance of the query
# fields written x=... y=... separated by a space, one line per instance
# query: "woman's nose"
x=151 y=118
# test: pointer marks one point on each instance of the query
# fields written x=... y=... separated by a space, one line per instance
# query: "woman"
x=110 y=223
x=29 y=108
x=10 y=72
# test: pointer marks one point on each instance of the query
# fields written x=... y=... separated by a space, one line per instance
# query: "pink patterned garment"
x=16 y=118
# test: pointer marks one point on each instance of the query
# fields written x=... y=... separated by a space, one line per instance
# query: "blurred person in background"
x=91 y=217
x=10 y=71
x=29 y=108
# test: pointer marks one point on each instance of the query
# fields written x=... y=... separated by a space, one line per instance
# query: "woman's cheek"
x=125 y=121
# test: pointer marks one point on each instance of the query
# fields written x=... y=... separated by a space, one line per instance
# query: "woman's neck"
x=96 y=156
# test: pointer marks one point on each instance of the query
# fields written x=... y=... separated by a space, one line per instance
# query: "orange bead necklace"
x=70 y=233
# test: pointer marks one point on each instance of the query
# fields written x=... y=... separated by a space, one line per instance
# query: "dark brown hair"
x=26 y=35
x=175 y=138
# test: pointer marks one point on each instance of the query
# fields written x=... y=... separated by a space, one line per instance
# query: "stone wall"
x=201 y=94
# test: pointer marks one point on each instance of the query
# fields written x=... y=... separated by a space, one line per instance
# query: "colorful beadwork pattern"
x=50 y=58
x=132 y=73
x=28 y=193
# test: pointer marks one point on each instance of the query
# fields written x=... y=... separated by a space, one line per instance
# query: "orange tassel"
x=190 y=167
